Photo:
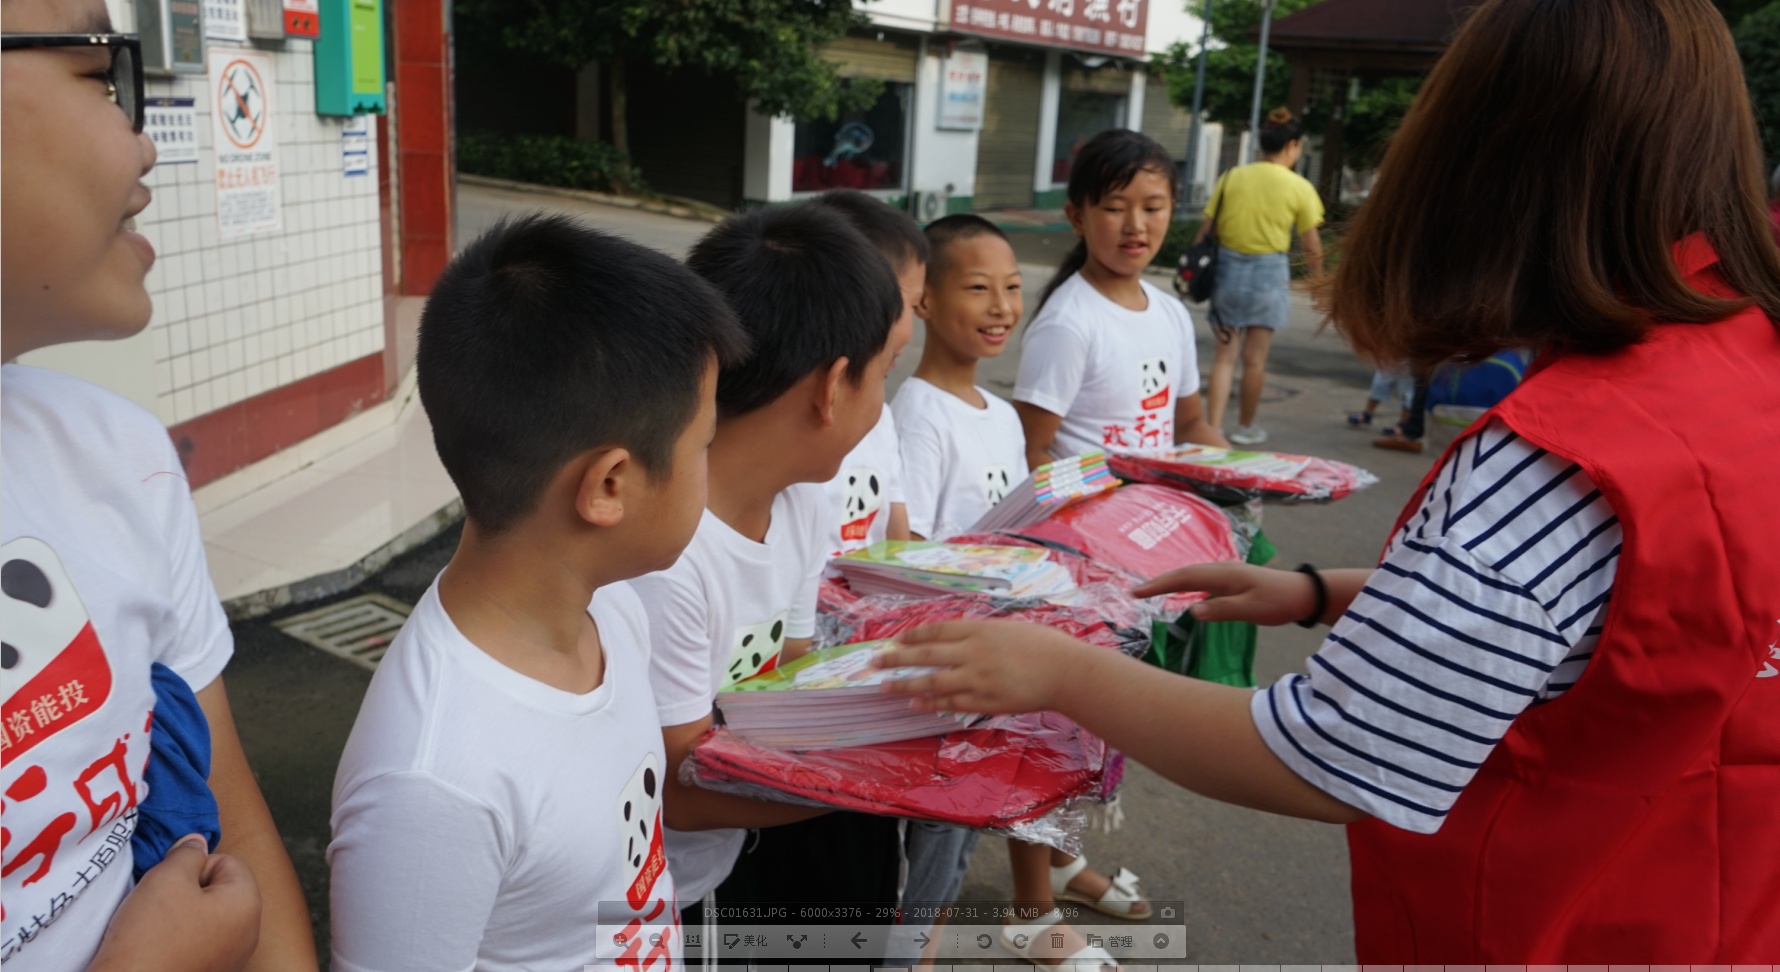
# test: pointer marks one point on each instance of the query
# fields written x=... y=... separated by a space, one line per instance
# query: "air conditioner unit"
x=927 y=205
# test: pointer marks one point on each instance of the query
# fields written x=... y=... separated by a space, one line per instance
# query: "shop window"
x=1081 y=115
x=857 y=150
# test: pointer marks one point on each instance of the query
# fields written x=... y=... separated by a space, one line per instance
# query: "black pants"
x=837 y=858
x=1416 y=427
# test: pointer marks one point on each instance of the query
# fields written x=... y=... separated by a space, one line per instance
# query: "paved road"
x=1260 y=889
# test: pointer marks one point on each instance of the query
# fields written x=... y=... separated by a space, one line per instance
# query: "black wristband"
x=1322 y=597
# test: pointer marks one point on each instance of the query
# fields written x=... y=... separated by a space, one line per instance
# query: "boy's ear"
x=599 y=500
x=830 y=391
x=924 y=306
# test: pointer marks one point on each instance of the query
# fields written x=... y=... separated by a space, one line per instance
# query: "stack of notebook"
x=1261 y=465
x=1228 y=476
x=1051 y=487
x=828 y=699
x=924 y=568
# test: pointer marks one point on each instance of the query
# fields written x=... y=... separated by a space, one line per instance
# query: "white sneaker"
x=1248 y=435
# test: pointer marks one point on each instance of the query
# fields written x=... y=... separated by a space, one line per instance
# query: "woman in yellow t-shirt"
x=1255 y=208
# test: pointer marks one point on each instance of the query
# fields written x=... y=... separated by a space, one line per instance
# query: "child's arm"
x=1190 y=424
x=1041 y=428
x=898 y=527
x=794 y=649
x=1260 y=595
x=192 y=911
x=287 y=942
x=1198 y=734
x=685 y=807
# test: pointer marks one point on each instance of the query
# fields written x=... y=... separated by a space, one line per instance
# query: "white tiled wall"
x=239 y=318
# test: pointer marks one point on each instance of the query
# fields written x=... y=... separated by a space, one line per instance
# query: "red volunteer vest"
x=1636 y=818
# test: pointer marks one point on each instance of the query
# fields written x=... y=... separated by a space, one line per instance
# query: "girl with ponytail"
x=1109 y=360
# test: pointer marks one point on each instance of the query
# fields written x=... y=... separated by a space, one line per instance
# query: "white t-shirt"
x=481 y=816
x=1113 y=374
x=104 y=575
x=870 y=479
x=960 y=460
x=719 y=615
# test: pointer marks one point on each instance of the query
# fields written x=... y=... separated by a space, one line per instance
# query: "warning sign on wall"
x=241 y=118
x=225 y=20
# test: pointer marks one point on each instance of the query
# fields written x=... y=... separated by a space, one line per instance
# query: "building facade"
x=293 y=236
x=985 y=104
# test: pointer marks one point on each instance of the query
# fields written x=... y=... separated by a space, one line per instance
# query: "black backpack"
x=1198 y=273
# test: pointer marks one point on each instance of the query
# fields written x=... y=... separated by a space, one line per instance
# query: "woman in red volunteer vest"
x=1550 y=717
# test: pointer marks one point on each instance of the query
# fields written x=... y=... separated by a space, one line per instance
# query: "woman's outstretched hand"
x=1240 y=592
x=986 y=666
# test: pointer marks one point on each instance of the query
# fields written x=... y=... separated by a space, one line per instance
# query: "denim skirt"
x=1254 y=289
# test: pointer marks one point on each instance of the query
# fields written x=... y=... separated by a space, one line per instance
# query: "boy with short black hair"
x=868 y=495
x=500 y=796
x=819 y=303
x=963 y=447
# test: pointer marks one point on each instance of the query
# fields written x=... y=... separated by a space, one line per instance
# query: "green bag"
x=1215 y=651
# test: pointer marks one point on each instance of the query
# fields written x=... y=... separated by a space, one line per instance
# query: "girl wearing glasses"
x=110 y=621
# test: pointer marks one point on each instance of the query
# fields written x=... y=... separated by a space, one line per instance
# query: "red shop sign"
x=1101 y=26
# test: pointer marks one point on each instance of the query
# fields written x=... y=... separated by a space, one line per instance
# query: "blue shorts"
x=1393 y=385
x=1254 y=289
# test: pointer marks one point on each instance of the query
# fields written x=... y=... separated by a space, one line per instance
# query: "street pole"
x=1193 y=137
x=1254 y=112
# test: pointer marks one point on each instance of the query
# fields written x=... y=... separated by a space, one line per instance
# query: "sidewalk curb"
x=333 y=582
x=604 y=199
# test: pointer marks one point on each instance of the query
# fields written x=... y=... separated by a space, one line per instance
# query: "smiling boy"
x=962 y=447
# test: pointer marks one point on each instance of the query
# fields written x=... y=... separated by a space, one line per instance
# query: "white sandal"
x=1121 y=897
x=1020 y=939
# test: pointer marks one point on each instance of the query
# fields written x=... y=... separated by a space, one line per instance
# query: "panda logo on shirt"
x=756 y=648
x=1152 y=383
x=639 y=830
x=997 y=483
x=862 y=496
x=74 y=798
x=56 y=671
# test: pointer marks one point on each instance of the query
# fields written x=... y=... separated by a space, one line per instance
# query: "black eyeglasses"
x=124 y=77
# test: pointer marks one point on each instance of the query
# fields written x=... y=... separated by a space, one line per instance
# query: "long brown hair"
x=1535 y=190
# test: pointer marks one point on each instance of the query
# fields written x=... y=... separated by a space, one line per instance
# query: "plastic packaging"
x=1141 y=531
x=1024 y=776
x=1100 y=613
x=1306 y=479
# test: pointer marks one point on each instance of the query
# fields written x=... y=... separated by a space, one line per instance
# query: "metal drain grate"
x=358 y=629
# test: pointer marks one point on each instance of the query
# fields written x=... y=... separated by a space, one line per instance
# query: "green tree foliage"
x=764 y=50
x=1230 y=65
x=1372 y=114
x=1758 y=44
x=549 y=160
x=1372 y=117
x=1735 y=10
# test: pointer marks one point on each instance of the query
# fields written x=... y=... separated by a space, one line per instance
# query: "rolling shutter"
x=1007 y=149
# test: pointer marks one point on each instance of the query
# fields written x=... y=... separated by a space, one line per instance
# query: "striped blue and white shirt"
x=1490 y=599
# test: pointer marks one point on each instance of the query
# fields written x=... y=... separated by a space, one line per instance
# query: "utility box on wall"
x=349 y=58
x=172 y=33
